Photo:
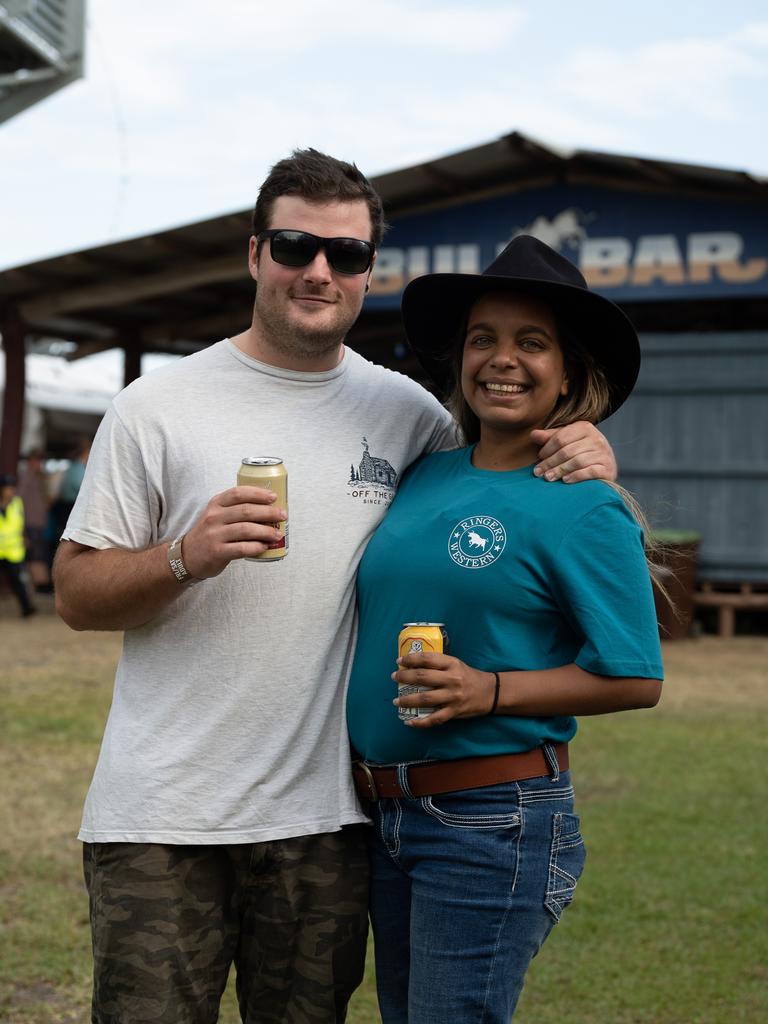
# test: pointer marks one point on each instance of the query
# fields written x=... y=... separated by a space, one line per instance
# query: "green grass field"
x=668 y=925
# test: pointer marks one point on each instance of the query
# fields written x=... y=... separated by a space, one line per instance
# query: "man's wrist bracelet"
x=179 y=570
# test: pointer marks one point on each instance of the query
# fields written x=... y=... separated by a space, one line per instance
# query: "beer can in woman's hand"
x=419 y=638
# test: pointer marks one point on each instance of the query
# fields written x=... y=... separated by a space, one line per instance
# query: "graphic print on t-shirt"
x=373 y=481
x=476 y=542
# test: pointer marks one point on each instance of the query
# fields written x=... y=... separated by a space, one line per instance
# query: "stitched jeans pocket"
x=489 y=807
x=566 y=862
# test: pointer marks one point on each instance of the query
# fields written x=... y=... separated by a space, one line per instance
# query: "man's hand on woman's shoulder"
x=574 y=453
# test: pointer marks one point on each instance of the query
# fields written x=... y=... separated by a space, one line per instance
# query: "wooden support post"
x=14 y=336
x=132 y=350
x=728 y=601
x=726 y=621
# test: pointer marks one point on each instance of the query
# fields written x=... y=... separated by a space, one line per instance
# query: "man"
x=33 y=492
x=221 y=824
x=12 y=550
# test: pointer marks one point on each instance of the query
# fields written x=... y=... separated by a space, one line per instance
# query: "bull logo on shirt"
x=476 y=542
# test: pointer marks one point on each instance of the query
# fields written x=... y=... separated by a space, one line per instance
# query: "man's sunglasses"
x=299 y=248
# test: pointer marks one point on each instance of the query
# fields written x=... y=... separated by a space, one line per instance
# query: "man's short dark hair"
x=318 y=178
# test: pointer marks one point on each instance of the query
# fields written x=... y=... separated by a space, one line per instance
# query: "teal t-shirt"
x=525 y=574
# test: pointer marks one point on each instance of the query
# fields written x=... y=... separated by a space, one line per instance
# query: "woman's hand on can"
x=455 y=690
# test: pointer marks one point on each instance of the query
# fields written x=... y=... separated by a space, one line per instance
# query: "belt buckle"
x=373 y=794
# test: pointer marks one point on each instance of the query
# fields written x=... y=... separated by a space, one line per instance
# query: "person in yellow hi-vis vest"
x=12 y=542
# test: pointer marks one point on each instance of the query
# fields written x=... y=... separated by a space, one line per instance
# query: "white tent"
x=65 y=400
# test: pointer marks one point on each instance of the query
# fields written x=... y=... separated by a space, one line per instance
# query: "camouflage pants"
x=168 y=921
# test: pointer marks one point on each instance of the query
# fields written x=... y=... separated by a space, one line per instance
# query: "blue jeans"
x=466 y=887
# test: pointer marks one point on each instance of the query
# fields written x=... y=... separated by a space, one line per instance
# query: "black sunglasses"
x=299 y=248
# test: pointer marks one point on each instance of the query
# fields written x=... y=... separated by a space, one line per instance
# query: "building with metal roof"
x=682 y=248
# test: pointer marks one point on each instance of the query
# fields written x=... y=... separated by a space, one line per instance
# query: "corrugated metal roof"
x=178 y=289
x=520 y=160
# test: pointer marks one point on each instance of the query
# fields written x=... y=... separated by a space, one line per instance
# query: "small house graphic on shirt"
x=372 y=470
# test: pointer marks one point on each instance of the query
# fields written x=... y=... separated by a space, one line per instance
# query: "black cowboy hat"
x=434 y=306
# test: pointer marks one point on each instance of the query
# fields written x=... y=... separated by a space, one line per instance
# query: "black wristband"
x=495 y=694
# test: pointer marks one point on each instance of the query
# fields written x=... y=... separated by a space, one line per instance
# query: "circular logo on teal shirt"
x=476 y=542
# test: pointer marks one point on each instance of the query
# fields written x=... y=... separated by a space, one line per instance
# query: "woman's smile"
x=497 y=389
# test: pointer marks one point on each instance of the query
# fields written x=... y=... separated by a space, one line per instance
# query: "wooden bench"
x=730 y=598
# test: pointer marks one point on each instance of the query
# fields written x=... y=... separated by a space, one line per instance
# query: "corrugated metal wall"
x=692 y=445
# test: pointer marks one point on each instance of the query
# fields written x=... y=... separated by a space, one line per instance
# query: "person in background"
x=546 y=596
x=12 y=550
x=72 y=480
x=33 y=491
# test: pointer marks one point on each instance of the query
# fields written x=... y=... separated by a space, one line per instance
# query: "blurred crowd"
x=34 y=508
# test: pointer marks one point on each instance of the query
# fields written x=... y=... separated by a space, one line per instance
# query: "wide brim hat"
x=434 y=308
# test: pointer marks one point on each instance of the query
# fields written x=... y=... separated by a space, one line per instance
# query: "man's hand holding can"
x=241 y=522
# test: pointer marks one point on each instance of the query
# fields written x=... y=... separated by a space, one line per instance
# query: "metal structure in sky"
x=41 y=50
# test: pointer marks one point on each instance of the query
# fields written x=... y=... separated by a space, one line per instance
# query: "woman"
x=546 y=598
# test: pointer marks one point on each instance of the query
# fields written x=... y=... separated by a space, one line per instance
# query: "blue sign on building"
x=631 y=246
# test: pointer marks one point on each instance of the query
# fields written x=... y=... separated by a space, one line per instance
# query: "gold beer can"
x=271 y=474
x=419 y=638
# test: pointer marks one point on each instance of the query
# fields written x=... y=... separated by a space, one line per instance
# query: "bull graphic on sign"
x=565 y=228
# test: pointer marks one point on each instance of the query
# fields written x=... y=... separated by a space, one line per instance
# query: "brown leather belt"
x=447 y=776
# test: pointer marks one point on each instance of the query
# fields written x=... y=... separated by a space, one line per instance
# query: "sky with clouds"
x=185 y=105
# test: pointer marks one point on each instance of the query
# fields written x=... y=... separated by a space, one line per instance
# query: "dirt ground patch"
x=714 y=672
x=55 y=690
x=706 y=671
x=45 y=640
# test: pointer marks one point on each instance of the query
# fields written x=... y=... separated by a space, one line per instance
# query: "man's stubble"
x=300 y=341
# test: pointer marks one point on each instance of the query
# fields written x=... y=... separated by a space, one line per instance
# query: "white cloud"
x=754 y=34
x=468 y=28
x=198 y=30
x=669 y=78
x=186 y=105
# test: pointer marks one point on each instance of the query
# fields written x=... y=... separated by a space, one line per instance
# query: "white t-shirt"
x=227 y=721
